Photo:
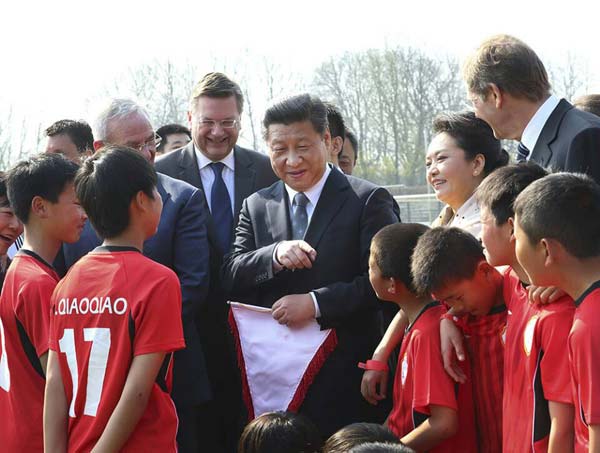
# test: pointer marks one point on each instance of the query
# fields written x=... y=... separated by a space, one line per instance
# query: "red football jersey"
x=536 y=369
x=421 y=381
x=112 y=305
x=584 y=357
x=485 y=337
x=24 y=320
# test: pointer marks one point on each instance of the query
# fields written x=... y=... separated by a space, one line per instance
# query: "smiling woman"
x=462 y=152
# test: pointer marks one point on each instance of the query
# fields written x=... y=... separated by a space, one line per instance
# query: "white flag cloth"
x=277 y=363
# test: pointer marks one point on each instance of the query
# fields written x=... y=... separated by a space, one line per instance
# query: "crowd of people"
x=121 y=246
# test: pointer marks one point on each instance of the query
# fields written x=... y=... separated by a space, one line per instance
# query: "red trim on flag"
x=242 y=366
x=312 y=370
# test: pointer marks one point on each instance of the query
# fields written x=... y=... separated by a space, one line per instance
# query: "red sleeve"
x=157 y=319
x=432 y=385
x=510 y=283
x=554 y=330
x=33 y=312
x=52 y=340
x=585 y=348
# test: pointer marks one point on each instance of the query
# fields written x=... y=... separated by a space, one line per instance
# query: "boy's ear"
x=392 y=286
x=553 y=251
x=484 y=267
x=39 y=207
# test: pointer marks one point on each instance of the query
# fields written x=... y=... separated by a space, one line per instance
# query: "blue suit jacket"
x=180 y=244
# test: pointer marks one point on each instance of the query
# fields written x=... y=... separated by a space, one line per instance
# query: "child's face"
x=379 y=283
x=531 y=257
x=475 y=296
x=10 y=227
x=497 y=239
x=153 y=213
x=66 y=216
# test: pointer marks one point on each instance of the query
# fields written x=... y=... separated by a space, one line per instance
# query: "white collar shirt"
x=208 y=177
x=532 y=131
x=467 y=217
x=313 y=194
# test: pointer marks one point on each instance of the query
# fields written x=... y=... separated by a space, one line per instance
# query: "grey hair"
x=115 y=109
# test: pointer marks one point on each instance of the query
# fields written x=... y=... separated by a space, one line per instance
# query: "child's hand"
x=372 y=380
x=452 y=350
x=544 y=295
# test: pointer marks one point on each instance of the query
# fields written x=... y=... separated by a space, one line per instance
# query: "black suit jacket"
x=569 y=141
x=252 y=172
x=348 y=214
x=180 y=244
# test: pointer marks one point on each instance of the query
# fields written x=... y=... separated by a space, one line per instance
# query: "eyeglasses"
x=151 y=143
x=224 y=124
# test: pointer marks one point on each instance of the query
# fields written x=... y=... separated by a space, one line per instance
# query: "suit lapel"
x=333 y=197
x=278 y=213
x=188 y=167
x=542 y=153
x=244 y=180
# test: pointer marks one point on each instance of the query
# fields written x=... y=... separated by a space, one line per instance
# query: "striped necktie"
x=522 y=153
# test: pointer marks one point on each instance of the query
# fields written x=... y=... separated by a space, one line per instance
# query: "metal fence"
x=422 y=208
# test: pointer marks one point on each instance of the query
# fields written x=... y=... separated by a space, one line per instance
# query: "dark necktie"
x=220 y=204
x=522 y=152
x=299 y=216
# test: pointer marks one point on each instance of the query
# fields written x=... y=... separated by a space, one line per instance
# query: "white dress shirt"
x=467 y=217
x=313 y=194
x=208 y=177
x=532 y=131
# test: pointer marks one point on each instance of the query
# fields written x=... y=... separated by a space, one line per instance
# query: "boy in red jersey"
x=114 y=322
x=557 y=231
x=429 y=412
x=450 y=257
x=537 y=414
x=41 y=193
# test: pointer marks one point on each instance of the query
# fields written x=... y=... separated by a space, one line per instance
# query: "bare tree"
x=569 y=78
x=389 y=98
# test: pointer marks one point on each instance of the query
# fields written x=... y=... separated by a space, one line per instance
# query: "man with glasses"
x=228 y=174
x=180 y=243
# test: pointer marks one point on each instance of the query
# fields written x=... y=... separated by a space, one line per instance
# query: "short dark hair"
x=295 y=109
x=4 y=203
x=511 y=65
x=498 y=191
x=393 y=247
x=356 y=434
x=217 y=85
x=588 y=103
x=337 y=126
x=169 y=129
x=44 y=175
x=474 y=136
x=276 y=432
x=79 y=132
x=564 y=207
x=381 y=447
x=106 y=184
x=444 y=255
x=353 y=141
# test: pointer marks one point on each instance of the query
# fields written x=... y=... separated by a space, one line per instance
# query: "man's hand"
x=372 y=380
x=452 y=349
x=295 y=255
x=544 y=295
x=294 y=309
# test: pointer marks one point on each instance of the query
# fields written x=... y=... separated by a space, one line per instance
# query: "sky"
x=58 y=54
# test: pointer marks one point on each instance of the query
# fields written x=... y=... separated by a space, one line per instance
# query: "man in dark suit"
x=227 y=174
x=302 y=248
x=508 y=86
x=180 y=243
